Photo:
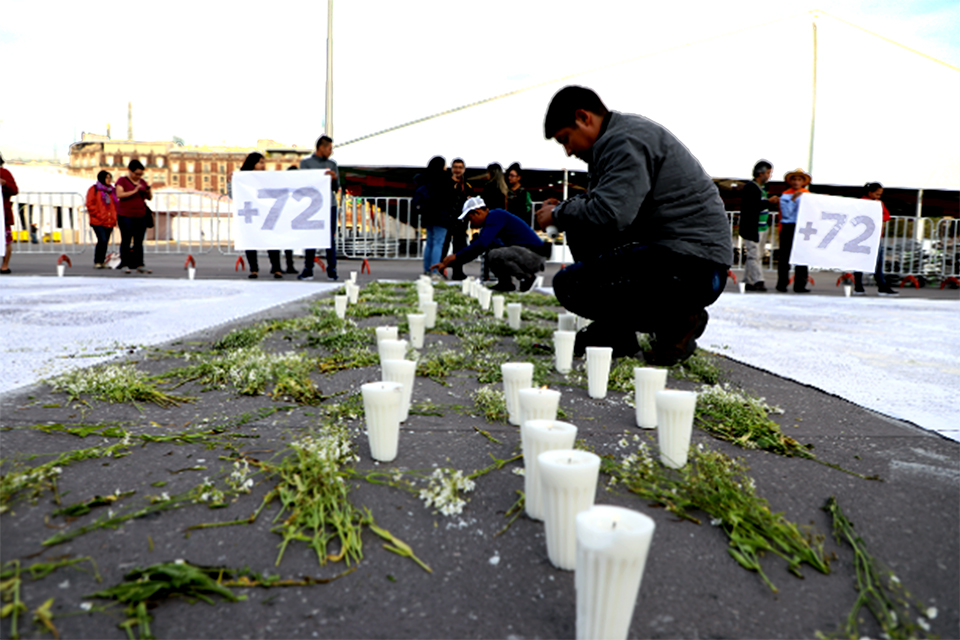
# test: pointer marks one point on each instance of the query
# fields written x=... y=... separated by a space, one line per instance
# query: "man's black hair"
x=251 y=161
x=564 y=105
x=135 y=165
x=456 y=160
x=323 y=139
x=870 y=187
x=760 y=167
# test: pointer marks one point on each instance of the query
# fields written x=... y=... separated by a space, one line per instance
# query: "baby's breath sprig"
x=115 y=383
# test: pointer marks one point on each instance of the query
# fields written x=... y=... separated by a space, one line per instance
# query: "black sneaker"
x=527 y=283
x=252 y=276
x=332 y=277
x=306 y=275
x=601 y=334
x=504 y=286
x=292 y=270
x=888 y=292
x=679 y=342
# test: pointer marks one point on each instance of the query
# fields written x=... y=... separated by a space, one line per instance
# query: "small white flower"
x=923 y=624
x=86 y=606
x=931 y=613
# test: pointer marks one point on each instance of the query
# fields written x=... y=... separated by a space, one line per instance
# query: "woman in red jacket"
x=102 y=207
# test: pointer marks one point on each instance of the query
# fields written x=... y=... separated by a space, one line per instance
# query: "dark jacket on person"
x=493 y=197
x=752 y=204
x=313 y=161
x=502 y=229
x=431 y=201
x=520 y=204
x=645 y=188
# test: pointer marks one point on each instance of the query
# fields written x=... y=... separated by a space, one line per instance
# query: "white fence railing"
x=383 y=227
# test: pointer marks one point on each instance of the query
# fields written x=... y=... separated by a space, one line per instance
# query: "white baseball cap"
x=475 y=202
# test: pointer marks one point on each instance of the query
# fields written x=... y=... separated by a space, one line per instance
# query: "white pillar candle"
x=563 y=350
x=612 y=546
x=536 y=437
x=386 y=333
x=513 y=314
x=429 y=310
x=516 y=376
x=485 y=297
x=404 y=372
x=61 y=268
x=425 y=295
x=743 y=287
x=847 y=290
x=497 y=307
x=191 y=273
x=582 y=322
x=353 y=292
x=465 y=286
x=675 y=411
x=340 y=306
x=353 y=277
x=598 y=370
x=538 y=404
x=381 y=408
x=392 y=349
x=569 y=485
x=418 y=323
x=475 y=289
x=646 y=382
x=567 y=322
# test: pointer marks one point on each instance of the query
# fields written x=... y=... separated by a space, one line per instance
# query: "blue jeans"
x=433 y=247
x=103 y=241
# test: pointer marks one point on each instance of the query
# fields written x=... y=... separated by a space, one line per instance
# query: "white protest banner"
x=281 y=210
x=837 y=233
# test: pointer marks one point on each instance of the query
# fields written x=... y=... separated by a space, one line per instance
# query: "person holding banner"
x=321 y=160
x=650 y=236
x=798 y=180
x=874 y=191
x=256 y=162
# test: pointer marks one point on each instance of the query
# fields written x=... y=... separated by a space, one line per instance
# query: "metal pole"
x=813 y=110
x=564 y=184
x=328 y=113
x=918 y=225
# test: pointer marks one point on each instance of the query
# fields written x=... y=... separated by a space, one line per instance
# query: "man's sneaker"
x=601 y=334
x=888 y=292
x=292 y=270
x=504 y=286
x=859 y=292
x=527 y=283
x=332 y=276
x=679 y=342
x=305 y=275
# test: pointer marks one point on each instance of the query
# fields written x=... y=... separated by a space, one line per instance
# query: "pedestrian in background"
x=874 y=191
x=288 y=253
x=430 y=205
x=457 y=228
x=321 y=160
x=798 y=180
x=519 y=202
x=132 y=194
x=9 y=188
x=256 y=162
x=102 y=208
x=755 y=223
x=495 y=191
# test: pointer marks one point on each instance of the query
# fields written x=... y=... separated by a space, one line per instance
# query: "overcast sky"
x=216 y=72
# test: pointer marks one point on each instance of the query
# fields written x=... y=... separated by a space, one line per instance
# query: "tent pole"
x=918 y=225
x=564 y=184
x=328 y=111
x=813 y=110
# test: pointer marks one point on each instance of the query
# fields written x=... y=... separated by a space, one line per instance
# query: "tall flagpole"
x=328 y=113
x=813 y=111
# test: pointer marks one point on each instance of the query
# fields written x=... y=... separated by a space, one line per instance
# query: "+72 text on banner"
x=281 y=210
x=837 y=233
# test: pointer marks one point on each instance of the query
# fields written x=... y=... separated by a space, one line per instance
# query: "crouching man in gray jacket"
x=650 y=236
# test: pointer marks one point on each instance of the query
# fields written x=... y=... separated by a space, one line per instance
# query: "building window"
x=160 y=162
x=206 y=178
x=109 y=161
x=206 y=167
x=222 y=168
x=189 y=167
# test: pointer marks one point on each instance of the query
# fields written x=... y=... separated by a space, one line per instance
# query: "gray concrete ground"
x=691 y=588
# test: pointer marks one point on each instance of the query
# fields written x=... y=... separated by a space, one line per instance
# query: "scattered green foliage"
x=700 y=367
x=115 y=383
x=84 y=507
x=719 y=486
x=13 y=606
x=491 y=403
x=244 y=337
x=878 y=590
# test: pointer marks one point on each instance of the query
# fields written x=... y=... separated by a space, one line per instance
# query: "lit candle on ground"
x=386 y=333
x=353 y=292
x=538 y=404
x=563 y=350
x=598 y=370
x=418 y=324
x=567 y=322
x=425 y=295
x=568 y=486
x=743 y=287
x=484 y=299
x=675 y=411
x=430 y=314
x=353 y=277
x=465 y=285
x=538 y=436
x=381 y=408
x=191 y=273
x=516 y=376
x=847 y=290
x=612 y=546
x=404 y=372
x=646 y=382
x=497 y=307
x=340 y=306
x=392 y=350
x=514 y=310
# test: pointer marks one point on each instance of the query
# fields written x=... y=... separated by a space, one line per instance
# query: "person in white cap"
x=513 y=249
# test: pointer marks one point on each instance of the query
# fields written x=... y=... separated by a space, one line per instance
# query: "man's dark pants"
x=132 y=231
x=310 y=254
x=457 y=236
x=800 y=272
x=639 y=288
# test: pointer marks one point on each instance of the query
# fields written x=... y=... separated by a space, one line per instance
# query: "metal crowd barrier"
x=907 y=247
x=49 y=223
x=946 y=248
x=184 y=222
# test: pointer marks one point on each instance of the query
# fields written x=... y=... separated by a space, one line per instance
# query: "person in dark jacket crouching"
x=650 y=236
x=513 y=249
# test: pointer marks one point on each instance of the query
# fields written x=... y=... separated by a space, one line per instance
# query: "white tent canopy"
x=883 y=112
